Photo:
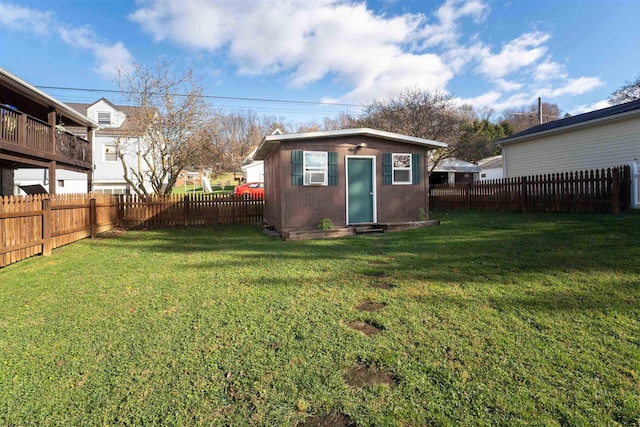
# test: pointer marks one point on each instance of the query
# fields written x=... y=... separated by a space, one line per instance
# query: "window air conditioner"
x=314 y=178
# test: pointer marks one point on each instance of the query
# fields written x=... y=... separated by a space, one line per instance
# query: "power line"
x=234 y=98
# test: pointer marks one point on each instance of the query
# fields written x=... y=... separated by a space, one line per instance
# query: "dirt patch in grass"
x=364 y=327
x=376 y=273
x=378 y=262
x=114 y=232
x=370 y=306
x=336 y=420
x=359 y=376
x=382 y=285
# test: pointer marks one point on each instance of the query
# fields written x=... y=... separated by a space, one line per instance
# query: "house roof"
x=126 y=109
x=455 y=165
x=494 y=162
x=569 y=123
x=15 y=83
x=270 y=142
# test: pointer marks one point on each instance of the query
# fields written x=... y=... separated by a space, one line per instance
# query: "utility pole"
x=540 y=110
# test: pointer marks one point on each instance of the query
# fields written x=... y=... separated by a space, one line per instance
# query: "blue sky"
x=490 y=54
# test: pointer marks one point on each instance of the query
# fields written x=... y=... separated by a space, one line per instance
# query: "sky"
x=304 y=60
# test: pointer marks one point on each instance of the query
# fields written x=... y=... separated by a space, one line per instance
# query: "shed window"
x=401 y=168
x=315 y=168
x=104 y=117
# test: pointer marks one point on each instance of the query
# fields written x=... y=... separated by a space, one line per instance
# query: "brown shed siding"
x=303 y=207
x=273 y=190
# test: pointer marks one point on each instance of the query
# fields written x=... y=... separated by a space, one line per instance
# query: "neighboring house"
x=252 y=170
x=34 y=136
x=454 y=171
x=350 y=176
x=490 y=168
x=599 y=139
x=108 y=173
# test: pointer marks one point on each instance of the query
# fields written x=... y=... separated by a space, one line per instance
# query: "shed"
x=350 y=176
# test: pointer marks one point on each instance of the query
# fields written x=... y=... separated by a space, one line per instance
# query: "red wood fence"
x=33 y=225
x=585 y=191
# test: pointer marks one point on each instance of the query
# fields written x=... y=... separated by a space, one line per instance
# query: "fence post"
x=525 y=194
x=46 y=227
x=120 y=209
x=186 y=209
x=615 y=190
x=92 y=217
x=468 y=196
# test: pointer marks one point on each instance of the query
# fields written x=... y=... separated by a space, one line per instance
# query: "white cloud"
x=303 y=42
x=109 y=58
x=585 y=108
x=507 y=85
x=514 y=55
x=549 y=70
x=572 y=87
x=446 y=31
x=24 y=19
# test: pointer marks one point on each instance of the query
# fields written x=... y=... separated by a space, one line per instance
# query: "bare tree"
x=527 y=117
x=627 y=93
x=419 y=113
x=165 y=129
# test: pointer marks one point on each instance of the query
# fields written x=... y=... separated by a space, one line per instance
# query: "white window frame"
x=395 y=168
x=104 y=152
x=103 y=122
x=308 y=170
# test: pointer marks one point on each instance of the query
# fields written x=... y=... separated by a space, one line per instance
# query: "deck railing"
x=29 y=135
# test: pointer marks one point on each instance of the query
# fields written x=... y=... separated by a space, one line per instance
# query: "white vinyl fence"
x=635 y=184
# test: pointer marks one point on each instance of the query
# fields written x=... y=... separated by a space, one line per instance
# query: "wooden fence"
x=597 y=190
x=188 y=210
x=33 y=225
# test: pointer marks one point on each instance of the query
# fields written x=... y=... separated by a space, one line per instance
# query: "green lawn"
x=490 y=319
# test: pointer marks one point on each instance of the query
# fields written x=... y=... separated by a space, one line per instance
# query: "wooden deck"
x=26 y=139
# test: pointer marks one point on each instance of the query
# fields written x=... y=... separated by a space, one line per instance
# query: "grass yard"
x=488 y=319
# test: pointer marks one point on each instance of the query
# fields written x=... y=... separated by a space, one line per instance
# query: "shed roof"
x=562 y=125
x=270 y=142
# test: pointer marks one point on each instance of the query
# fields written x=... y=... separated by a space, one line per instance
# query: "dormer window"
x=104 y=118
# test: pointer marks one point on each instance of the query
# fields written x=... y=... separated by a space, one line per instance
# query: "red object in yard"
x=250 y=189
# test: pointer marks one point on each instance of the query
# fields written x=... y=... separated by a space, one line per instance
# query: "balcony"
x=26 y=136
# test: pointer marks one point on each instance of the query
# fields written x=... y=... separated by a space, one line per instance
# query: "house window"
x=104 y=117
x=61 y=183
x=110 y=153
x=401 y=168
x=315 y=168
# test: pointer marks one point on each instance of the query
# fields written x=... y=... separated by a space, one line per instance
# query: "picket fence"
x=33 y=225
x=600 y=190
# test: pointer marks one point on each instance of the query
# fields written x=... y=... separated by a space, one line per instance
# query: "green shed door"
x=360 y=190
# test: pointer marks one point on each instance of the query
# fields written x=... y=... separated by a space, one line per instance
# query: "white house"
x=252 y=170
x=599 y=139
x=490 y=168
x=108 y=173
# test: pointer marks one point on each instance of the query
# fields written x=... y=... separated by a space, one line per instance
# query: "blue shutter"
x=296 y=168
x=415 y=169
x=332 y=159
x=387 y=169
